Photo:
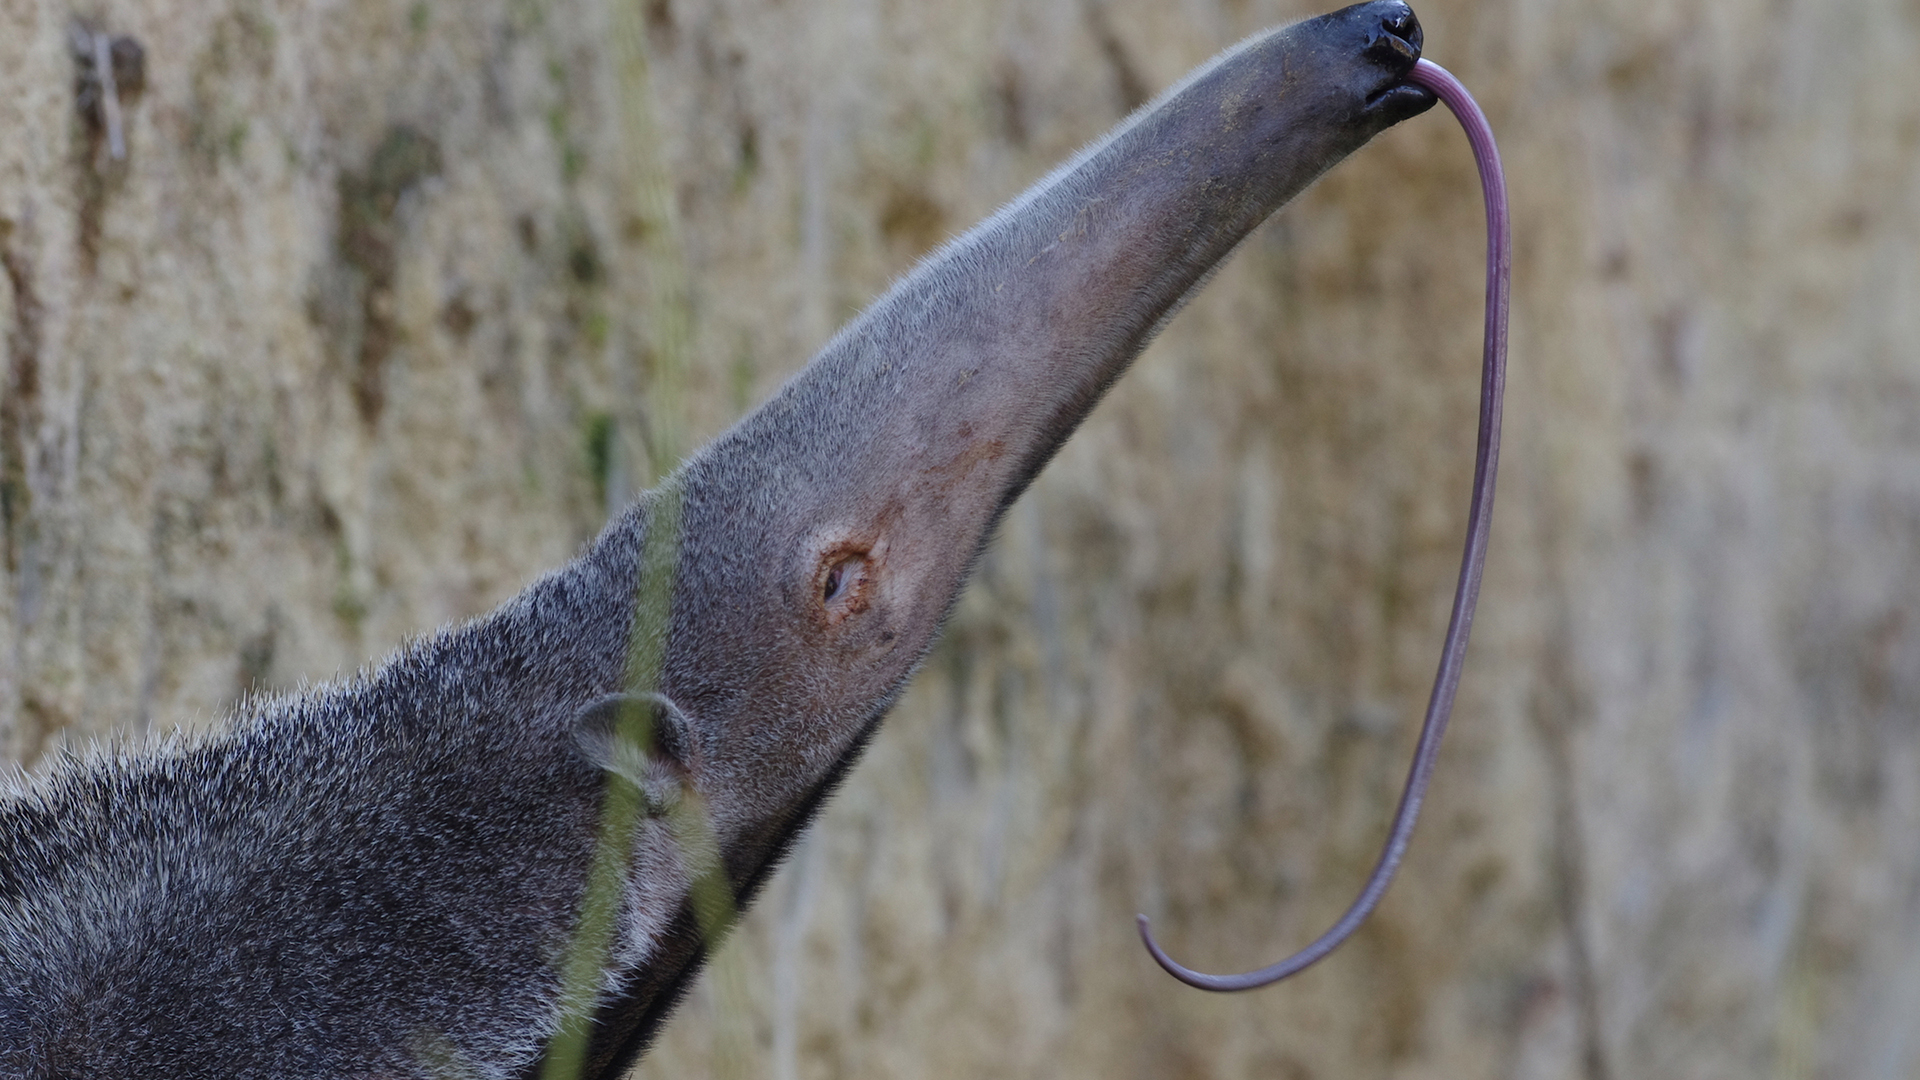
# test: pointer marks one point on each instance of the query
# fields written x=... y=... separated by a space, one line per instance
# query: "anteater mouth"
x=1403 y=97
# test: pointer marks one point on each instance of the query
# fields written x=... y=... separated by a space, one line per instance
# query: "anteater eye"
x=843 y=585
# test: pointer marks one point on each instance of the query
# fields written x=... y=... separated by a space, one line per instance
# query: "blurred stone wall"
x=391 y=300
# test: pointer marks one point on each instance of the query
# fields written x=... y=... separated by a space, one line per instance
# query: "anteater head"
x=823 y=540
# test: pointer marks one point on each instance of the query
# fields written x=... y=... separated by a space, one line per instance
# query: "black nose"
x=1398 y=36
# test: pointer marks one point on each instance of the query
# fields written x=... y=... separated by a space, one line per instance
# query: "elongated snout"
x=841 y=519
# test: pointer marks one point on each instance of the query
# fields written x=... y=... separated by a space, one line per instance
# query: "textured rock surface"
x=390 y=300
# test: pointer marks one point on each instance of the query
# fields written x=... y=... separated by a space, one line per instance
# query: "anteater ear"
x=641 y=738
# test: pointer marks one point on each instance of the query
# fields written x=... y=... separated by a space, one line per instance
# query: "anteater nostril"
x=1401 y=23
x=1395 y=45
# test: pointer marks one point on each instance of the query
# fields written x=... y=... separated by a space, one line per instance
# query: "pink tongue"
x=1493 y=381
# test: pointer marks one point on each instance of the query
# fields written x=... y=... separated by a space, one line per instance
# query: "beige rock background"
x=392 y=299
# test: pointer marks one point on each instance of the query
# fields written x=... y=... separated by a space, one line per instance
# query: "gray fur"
x=381 y=878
